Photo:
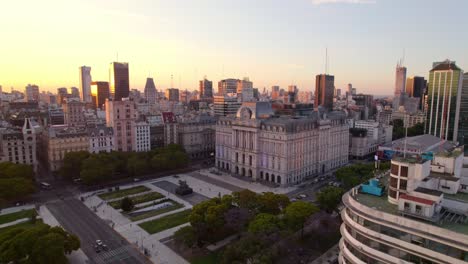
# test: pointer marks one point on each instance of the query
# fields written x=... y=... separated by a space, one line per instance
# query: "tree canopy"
x=329 y=198
x=16 y=181
x=40 y=244
x=102 y=167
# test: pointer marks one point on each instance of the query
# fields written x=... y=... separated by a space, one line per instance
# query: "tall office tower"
x=227 y=86
x=324 y=90
x=245 y=90
x=463 y=120
x=100 y=92
x=338 y=93
x=206 y=89
x=62 y=94
x=85 y=84
x=350 y=89
x=225 y=105
x=400 y=84
x=415 y=86
x=122 y=116
x=74 y=92
x=32 y=93
x=275 y=90
x=73 y=111
x=172 y=94
x=119 y=80
x=150 y=91
x=443 y=99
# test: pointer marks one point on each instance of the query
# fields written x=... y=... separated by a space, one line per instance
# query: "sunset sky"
x=274 y=42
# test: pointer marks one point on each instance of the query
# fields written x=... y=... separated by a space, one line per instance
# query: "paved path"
x=18 y=221
x=328 y=257
x=216 y=182
x=78 y=219
x=15 y=209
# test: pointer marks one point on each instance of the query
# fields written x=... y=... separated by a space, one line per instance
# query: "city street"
x=76 y=218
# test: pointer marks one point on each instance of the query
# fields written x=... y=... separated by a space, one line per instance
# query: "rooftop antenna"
x=403 y=59
x=117 y=56
x=172 y=81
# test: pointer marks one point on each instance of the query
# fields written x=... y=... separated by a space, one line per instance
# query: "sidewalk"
x=15 y=209
x=329 y=256
x=18 y=221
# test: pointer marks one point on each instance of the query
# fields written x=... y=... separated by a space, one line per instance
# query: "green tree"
x=137 y=165
x=246 y=199
x=15 y=188
x=49 y=249
x=72 y=163
x=329 y=198
x=297 y=213
x=272 y=203
x=186 y=235
x=264 y=224
x=126 y=204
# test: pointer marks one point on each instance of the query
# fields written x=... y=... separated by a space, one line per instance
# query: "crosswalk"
x=117 y=255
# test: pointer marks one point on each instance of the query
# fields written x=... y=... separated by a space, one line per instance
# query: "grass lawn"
x=123 y=192
x=6 y=218
x=166 y=222
x=157 y=212
x=25 y=225
x=211 y=258
x=143 y=198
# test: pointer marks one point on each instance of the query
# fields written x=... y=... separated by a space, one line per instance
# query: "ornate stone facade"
x=282 y=150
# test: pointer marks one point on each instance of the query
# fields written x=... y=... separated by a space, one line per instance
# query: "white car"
x=99 y=242
x=303 y=196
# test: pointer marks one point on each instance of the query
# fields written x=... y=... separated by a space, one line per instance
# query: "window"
x=403 y=184
x=394 y=169
x=393 y=182
x=404 y=171
x=418 y=209
x=407 y=206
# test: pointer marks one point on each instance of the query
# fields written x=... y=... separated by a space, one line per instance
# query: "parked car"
x=303 y=195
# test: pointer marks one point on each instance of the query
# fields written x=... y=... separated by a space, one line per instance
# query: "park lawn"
x=123 y=192
x=6 y=218
x=211 y=258
x=166 y=222
x=157 y=212
x=143 y=198
x=25 y=225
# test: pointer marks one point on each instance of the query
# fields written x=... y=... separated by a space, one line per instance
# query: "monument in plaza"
x=183 y=188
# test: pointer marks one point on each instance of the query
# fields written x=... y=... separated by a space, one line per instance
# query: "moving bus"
x=45 y=186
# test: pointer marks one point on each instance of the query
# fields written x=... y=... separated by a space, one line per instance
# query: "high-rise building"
x=206 y=89
x=151 y=94
x=226 y=105
x=416 y=213
x=85 y=84
x=443 y=99
x=32 y=93
x=122 y=116
x=324 y=91
x=74 y=93
x=243 y=84
x=463 y=120
x=350 y=89
x=100 y=92
x=275 y=92
x=172 y=94
x=227 y=86
x=415 y=86
x=119 y=80
x=62 y=94
x=73 y=111
x=400 y=86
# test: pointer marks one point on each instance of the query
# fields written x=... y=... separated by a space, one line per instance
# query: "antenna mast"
x=172 y=81
x=326 y=60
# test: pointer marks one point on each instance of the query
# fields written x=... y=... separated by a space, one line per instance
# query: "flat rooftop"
x=382 y=204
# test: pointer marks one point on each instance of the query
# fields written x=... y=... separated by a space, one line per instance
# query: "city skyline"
x=271 y=42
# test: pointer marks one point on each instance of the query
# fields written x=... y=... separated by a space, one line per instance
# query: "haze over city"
x=272 y=42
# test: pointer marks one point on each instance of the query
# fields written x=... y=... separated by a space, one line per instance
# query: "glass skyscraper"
x=463 y=122
x=119 y=80
x=443 y=99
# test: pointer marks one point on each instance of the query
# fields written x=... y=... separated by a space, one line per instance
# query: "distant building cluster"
x=283 y=135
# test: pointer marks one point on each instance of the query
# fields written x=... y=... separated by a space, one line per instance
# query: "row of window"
x=407 y=237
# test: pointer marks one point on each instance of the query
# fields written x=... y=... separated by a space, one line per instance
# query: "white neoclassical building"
x=283 y=150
